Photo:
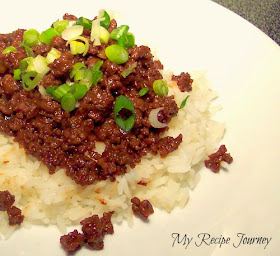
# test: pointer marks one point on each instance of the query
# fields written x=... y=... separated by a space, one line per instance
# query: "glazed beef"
x=6 y=204
x=62 y=139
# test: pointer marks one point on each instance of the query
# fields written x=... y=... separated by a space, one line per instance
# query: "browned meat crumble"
x=142 y=209
x=6 y=204
x=62 y=139
x=215 y=159
x=94 y=230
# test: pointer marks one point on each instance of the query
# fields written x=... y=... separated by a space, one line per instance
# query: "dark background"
x=264 y=14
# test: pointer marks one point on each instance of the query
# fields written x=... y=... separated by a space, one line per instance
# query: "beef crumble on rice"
x=67 y=139
x=99 y=111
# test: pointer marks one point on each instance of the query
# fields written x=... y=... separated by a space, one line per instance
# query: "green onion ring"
x=160 y=88
x=79 y=90
x=120 y=103
x=68 y=102
x=27 y=83
x=76 y=67
x=82 y=39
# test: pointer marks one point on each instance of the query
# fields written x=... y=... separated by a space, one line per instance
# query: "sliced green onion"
x=120 y=103
x=50 y=90
x=127 y=71
x=41 y=65
x=9 y=50
x=79 y=75
x=42 y=90
x=76 y=67
x=87 y=78
x=61 y=90
x=27 y=64
x=130 y=40
x=97 y=74
x=97 y=65
x=116 y=54
x=17 y=74
x=122 y=41
x=53 y=54
x=31 y=37
x=47 y=35
x=72 y=32
x=105 y=20
x=95 y=32
x=68 y=102
x=60 y=25
x=104 y=35
x=84 y=76
x=86 y=23
x=160 y=88
x=143 y=91
x=28 y=50
x=27 y=83
x=77 y=47
x=118 y=32
x=184 y=102
x=127 y=40
x=79 y=90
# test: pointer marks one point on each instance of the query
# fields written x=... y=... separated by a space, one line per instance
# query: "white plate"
x=244 y=65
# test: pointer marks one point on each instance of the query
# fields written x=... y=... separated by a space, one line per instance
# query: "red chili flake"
x=215 y=159
x=141 y=209
x=142 y=183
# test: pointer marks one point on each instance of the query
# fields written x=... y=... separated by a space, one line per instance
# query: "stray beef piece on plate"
x=6 y=200
x=94 y=229
x=6 y=204
x=141 y=209
x=72 y=241
x=215 y=159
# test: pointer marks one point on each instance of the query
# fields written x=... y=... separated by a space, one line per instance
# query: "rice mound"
x=56 y=199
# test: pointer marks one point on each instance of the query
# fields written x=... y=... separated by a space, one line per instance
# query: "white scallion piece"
x=41 y=65
x=95 y=32
x=71 y=32
x=153 y=118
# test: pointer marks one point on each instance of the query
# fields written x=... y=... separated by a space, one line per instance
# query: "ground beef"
x=9 y=84
x=72 y=241
x=15 y=216
x=67 y=140
x=41 y=49
x=63 y=65
x=142 y=209
x=169 y=144
x=6 y=204
x=6 y=200
x=184 y=81
x=70 y=17
x=94 y=229
x=215 y=159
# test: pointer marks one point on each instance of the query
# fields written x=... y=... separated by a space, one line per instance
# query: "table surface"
x=264 y=14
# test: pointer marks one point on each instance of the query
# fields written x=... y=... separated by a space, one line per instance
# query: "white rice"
x=56 y=199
